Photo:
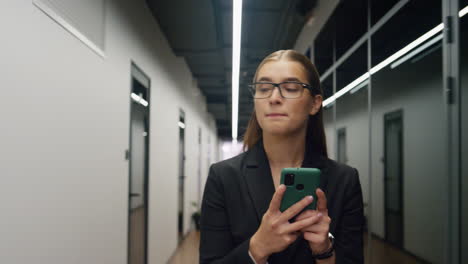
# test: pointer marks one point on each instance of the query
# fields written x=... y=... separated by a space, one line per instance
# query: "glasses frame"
x=277 y=85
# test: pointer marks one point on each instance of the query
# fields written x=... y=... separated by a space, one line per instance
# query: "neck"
x=285 y=151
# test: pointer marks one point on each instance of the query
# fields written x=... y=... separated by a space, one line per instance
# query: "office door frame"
x=394 y=115
x=135 y=70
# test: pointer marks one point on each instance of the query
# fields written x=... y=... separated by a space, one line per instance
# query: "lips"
x=275 y=115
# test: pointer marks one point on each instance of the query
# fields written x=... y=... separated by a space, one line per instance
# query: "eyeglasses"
x=288 y=90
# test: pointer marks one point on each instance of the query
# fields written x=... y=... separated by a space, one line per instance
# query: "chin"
x=280 y=128
x=276 y=130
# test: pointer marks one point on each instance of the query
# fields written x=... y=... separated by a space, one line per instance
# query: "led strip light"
x=236 y=43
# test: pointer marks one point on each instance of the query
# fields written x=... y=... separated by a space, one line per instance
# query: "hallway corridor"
x=115 y=115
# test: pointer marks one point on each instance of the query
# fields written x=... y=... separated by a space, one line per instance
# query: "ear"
x=316 y=104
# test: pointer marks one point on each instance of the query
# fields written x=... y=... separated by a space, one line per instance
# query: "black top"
x=238 y=192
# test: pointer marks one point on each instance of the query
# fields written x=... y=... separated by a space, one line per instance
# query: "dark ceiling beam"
x=220 y=89
x=217 y=98
x=209 y=76
x=252 y=10
x=218 y=92
x=214 y=89
x=280 y=33
x=189 y=52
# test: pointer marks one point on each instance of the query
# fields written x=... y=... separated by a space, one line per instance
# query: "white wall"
x=352 y=114
x=65 y=126
x=229 y=149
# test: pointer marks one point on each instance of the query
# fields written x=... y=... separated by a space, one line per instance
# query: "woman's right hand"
x=276 y=232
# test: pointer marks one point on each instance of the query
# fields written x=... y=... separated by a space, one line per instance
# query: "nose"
x=275 y=97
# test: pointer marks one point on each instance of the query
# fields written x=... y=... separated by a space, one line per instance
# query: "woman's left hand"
x=317 y=233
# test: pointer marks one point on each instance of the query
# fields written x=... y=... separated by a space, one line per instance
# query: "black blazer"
x=238 y=192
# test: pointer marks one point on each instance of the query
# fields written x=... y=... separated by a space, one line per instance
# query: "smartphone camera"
x=289 y=179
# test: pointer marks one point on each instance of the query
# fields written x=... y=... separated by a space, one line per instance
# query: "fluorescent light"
x=329 y=101
x=346 y=89
x=353 y=84
x=143 y=102
x=416 y=51
x=181 y=125
x=236 y=43
x=359 y=87
x=463 y=12
x=406 y=49
x=139 y=99
x=135 y=97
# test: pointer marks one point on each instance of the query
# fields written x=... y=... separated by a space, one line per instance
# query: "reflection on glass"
x=408 y=146
x=408 y=129
x=352 y=123
x=464 y=118
x=323 y=46
x=390 y=37
x=328 y=118
x=379 y=8
x=351 y=24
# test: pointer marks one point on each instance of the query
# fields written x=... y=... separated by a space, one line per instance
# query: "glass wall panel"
x=412 y=21
x=328 y=117
x=408 y=139
x=464 y=133
x=379 y=8
x=323 y=46
x=352 y=121
x=351 y=24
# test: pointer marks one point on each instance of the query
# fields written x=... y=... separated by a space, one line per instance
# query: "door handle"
x=134 y=194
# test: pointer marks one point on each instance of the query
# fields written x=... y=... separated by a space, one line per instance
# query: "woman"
x=240 y=219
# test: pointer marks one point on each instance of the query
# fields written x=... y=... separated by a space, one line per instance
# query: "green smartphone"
x=299 y=182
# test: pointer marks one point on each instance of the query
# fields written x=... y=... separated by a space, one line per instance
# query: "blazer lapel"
x=257 y=175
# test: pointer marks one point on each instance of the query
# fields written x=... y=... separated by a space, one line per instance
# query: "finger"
x=321 y=201
x=296 y=208
x=318 y=227
x=299 y=225
x=305 y=214
x=323 y=225
x=277 y=197
x=290 y=238
x=315 y=237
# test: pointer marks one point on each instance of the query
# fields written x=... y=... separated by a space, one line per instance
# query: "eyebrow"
x=289 y=79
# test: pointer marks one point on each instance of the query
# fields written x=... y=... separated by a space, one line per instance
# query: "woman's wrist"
x=257 y=251
x=330 y=260
x=323 y=248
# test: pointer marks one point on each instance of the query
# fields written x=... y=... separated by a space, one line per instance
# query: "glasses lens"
x=291 y=90
x=262 y=90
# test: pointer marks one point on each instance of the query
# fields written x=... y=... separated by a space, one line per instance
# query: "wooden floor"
x=382 y=253
x=187 y=252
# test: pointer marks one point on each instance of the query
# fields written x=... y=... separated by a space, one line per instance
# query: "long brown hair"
x=315 y=137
